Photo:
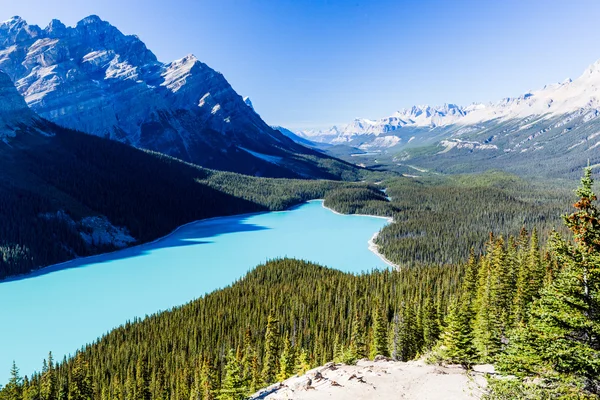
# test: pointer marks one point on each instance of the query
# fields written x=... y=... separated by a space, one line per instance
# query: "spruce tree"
x=48 y=380
x=14 y=388
x=562 y=338
x=380 y=333
x=303 y=364
x=207 y=381
x=232 y=387
x=142 y=380
x=271 y=350
x=358 y=347
x=493 y=296
x=287 y=361
x=457 y=339
x=430 y=321
x=80 y=386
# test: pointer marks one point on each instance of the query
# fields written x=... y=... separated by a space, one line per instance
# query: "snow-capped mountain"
x=416 y=116
x=571 y=97
x=95 y=79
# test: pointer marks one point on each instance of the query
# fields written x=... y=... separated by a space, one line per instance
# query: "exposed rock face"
x=95 y=79
x=14 y=113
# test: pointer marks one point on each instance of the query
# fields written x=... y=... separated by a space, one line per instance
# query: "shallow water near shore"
x=63 y=307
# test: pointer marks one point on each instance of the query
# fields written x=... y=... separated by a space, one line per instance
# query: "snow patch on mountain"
x=464 y=144
x=271 y=159
x=565 y=101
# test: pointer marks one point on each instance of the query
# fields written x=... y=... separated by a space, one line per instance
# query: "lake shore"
x=76 y=262
x=373 y=247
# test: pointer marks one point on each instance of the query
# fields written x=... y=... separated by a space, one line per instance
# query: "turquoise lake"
x=62 y=307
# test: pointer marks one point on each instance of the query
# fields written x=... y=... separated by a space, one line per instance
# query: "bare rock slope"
x=381 y=379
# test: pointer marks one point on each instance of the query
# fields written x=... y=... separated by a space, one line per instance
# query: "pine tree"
x=408 y=343
x=303 y=364
x=457 y=339
x=271 y=350
x=232 y=387
x=14 y=387
x=48 y=380
x=493 y=295
x=358 y=347
x=255 y=380
x=248 y=357
x=80 y=386
x=530 y=278
x=142 y=380
x=31 y=390
x=380 y=333
x=562 y=338
x=287 y=361
x=207 y=381
x=431 y=327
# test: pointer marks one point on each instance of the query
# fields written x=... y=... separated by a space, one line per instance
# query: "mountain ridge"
x=569 y=96
x=93 y=78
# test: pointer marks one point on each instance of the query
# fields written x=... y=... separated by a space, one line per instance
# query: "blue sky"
x=309 y=63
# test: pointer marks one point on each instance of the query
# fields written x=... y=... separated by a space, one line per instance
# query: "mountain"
x=93 y=78
x=297 y=138
x=65 y=194
x=555 y=129
x=14 y=113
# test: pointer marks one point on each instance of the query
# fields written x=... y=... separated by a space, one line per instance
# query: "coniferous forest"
x=528 y=303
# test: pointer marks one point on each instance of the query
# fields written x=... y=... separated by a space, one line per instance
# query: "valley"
x=197 y=258
x=160 y=239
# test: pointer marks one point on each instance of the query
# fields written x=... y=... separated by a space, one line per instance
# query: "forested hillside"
x=57 y=191
x=533 y=310
x=283 y=316
x=438 y=219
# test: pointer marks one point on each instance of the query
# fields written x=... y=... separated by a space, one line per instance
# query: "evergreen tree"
x=562 y=338
x=380 y=332
x=457 y=339
x=271 y=350
x=530 y=278
x=303 y=364
x=232 y=387
x=48 y=380
x=80 y=387
x=287 y=361
x=431 y=326
x=142 y=380
x=358 y=345
x=248 y=357
x=255 y=380
x=14 y=388
x=31 y=390
x=491 y=302
x=207 y=381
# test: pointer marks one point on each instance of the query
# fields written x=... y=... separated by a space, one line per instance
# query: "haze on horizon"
x=316 y=63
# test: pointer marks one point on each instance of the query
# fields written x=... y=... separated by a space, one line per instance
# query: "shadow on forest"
x=192 y=234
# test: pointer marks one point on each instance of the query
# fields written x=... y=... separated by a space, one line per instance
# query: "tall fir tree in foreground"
x=561 y=342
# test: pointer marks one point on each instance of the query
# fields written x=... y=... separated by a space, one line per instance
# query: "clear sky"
x=312 y=63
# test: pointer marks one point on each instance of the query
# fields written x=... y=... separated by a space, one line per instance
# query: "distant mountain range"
x=94 y=79
x=556 y=128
